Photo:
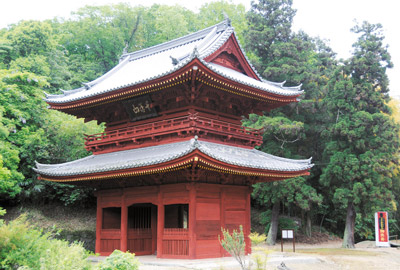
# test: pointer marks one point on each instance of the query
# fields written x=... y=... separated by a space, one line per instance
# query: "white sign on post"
x=287 y=234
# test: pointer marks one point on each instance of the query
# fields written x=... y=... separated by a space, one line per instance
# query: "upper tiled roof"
x=141 y=157
x=163 y=59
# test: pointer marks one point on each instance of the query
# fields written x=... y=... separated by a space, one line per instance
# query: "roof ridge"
x=307 y=161
x=216 y=45
x=175 y=42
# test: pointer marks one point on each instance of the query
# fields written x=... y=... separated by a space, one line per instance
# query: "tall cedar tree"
x=363 y=139
x=283 y=55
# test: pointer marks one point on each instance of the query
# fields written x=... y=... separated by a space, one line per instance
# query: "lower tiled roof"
x=141 y=157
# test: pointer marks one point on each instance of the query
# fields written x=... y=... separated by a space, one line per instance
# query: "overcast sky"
x=328 y=19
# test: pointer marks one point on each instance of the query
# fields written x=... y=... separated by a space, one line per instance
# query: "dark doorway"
x=142 y=229
x=111 y=218
x=176 y=216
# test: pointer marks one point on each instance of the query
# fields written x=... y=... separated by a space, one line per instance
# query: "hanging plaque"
x=139 y=108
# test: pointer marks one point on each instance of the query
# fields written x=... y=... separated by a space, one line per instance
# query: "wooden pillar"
x=222 y=217
x=246 y=229
x=160 y=224
x=192 y=221
x=153 y=229
x=99 y=223
x=124 y=223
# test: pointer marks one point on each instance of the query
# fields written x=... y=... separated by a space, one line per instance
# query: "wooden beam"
x=222 y=213
x=99 y=221
x=192 y=221
x=160 y=223
x=247 y=226
x=124 y=223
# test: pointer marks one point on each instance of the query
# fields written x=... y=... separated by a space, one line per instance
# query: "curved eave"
x=208 y=163
x=175 y=165
x=194 y=160
x=204 y=73
x=231 y=84
x=156 y=83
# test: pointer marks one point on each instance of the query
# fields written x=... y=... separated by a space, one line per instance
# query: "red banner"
x=382 y=226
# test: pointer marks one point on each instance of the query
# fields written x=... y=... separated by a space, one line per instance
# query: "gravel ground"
x=327 y=256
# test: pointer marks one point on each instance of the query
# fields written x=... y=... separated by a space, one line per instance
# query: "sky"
x=331 y=20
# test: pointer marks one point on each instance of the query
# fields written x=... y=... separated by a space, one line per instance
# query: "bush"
x=234 y=244
x=283 y=223
x=22 y=247
x=257 y=238
x=119 y=260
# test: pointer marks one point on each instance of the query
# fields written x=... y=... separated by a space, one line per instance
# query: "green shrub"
x=22 y=247
x=234 y=244
x=283 y=223
x=257 y=238
x=119 y=260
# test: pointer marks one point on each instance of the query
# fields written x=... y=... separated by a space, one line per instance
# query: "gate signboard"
x=381 y=229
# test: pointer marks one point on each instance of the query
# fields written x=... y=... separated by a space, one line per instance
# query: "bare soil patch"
x=330 y=255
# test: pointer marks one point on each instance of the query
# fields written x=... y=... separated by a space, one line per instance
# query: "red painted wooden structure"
x=177 y=220
x=174 y=163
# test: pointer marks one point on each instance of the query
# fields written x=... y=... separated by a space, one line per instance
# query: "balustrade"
x=178 y=127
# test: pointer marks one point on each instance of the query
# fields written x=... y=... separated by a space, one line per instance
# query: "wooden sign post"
x=288 y=234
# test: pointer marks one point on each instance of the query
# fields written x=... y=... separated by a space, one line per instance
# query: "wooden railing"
x=176 y=232
x=175 y=242
x=190 y=124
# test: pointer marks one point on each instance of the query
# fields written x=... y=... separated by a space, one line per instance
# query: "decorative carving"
x=237 y=60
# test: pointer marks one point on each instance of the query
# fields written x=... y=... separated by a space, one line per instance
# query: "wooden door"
x=142 y=229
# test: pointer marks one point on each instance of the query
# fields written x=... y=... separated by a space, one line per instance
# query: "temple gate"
x=174 y=163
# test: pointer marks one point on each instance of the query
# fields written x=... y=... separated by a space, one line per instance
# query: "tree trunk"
x=308 y=224
x=273 y=229
x=348 y=238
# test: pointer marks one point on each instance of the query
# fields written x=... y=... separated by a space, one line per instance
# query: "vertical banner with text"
x=381 y=229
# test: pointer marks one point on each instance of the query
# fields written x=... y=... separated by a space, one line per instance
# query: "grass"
x=76 y=223
x=337 y=251
x=59 y=216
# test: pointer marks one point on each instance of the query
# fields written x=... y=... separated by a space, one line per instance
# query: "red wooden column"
x=160 y=223
x=246 y=229
x=124 y=223
x=192 y=221
x=222 y=216
x=99 y=221
x=153 y=230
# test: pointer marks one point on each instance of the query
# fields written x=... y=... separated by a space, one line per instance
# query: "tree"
x=363 y=139
x=215 y=12
x=270 y=23
x=296 y=58
x=21 y=105
x=30 y=38
x=111 y=29
x=280 y=136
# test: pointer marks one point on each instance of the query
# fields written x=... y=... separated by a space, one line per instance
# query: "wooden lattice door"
x=142 y=229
